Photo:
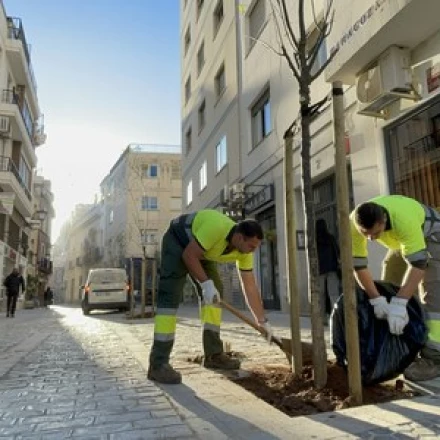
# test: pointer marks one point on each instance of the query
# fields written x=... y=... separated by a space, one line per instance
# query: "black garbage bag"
x=383 y=355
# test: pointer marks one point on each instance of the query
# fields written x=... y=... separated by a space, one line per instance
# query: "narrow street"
x=64 y=375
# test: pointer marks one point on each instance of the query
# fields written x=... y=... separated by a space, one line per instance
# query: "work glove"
x=209 y=292
x=397 y=315
x=268 y=329
x=380 y=305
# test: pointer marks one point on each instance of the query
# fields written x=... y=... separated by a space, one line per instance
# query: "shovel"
x=284 y=344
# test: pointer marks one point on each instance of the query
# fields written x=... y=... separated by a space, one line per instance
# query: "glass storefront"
x=413 y=155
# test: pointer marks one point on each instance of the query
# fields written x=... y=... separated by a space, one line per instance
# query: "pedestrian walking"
x=12 y=283
x=328 y=260
x=48 y=296
x=194 y=244
x=411 y=232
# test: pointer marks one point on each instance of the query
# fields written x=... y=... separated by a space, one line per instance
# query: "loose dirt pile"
x=296 y=396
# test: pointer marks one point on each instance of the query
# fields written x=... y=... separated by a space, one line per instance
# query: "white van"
x=106 y=289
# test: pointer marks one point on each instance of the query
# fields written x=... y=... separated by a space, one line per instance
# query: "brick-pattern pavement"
x=63 y=375
x=81 y=382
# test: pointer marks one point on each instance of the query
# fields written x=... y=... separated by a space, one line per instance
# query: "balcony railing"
x=45 y=265
x=35 y=129
x=7 y=165
x=16 y=32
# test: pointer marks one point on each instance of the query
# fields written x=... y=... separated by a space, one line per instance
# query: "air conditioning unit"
x=4 y=124
x=237 y=192
x=386 y=81
x=224 y=195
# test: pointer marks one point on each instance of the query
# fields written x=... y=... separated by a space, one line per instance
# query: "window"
x=261 y=123
x=189 y=193
x=321 y=57
x=150 y=171
x=220 y=81
x=199 y=7
x=413 y=147
x=201 y=58
x=256 y=21
x=188 y=89
x=218 y=16
x=203 y=176
x=187 y=39
x=148 y=236
x=188 y=140
x=176 y=171
x=202 y=115
x=221 y=154
x=149 y=203
x=111 y=216
x=24 y=172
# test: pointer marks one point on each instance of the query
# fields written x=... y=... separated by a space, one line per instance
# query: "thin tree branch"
x=288 y=24
x=290 y=63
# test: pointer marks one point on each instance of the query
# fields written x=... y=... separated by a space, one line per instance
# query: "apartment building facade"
x=139 y=197
x=82 y=239
x=21 y=132
x=39 y=254
x=391 y=137
x=141 y=194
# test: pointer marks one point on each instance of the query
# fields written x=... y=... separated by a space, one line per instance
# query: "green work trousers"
x=173 y=275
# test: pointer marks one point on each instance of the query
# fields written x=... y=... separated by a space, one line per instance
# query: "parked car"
x=106 y=288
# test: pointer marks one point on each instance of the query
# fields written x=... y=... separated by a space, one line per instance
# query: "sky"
x=108 y=74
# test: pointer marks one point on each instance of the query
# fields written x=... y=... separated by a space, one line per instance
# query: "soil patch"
x=296 y=395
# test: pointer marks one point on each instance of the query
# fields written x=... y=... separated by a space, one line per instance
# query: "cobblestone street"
x=64 y=375
x=80 y=381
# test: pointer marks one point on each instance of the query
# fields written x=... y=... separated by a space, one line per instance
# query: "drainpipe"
x=239 y=56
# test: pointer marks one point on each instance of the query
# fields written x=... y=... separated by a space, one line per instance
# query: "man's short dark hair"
x=250 y=228
x=368 y=214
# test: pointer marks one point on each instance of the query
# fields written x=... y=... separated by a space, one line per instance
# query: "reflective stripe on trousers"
x=165 y=324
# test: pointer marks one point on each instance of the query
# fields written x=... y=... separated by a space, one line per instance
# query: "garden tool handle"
x=250 y=322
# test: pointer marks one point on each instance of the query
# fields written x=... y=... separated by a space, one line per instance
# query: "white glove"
x=380 y=305
x=268 y=329
x=209 y=292
x=397 y=315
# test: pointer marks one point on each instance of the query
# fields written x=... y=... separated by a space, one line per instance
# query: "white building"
x=239 y=95
x=21 y=131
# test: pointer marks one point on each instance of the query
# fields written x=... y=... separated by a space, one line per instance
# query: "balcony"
x=10 y=185
x=18 y=49
x=34 y=128
x=45 y=266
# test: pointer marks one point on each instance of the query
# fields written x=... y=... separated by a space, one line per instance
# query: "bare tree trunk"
x=291 y=266
x=319 y=347
x=143 y=268
x=153 y=286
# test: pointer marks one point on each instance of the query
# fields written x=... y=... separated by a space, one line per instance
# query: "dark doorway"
x=269 y=268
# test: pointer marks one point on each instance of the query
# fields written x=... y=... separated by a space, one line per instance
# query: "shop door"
x=324 y=194
x=269 y=269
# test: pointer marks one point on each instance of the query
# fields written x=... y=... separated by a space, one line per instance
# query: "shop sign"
x=260 y=198
x=361 y=21
x=433 y=77
x=235 y=214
